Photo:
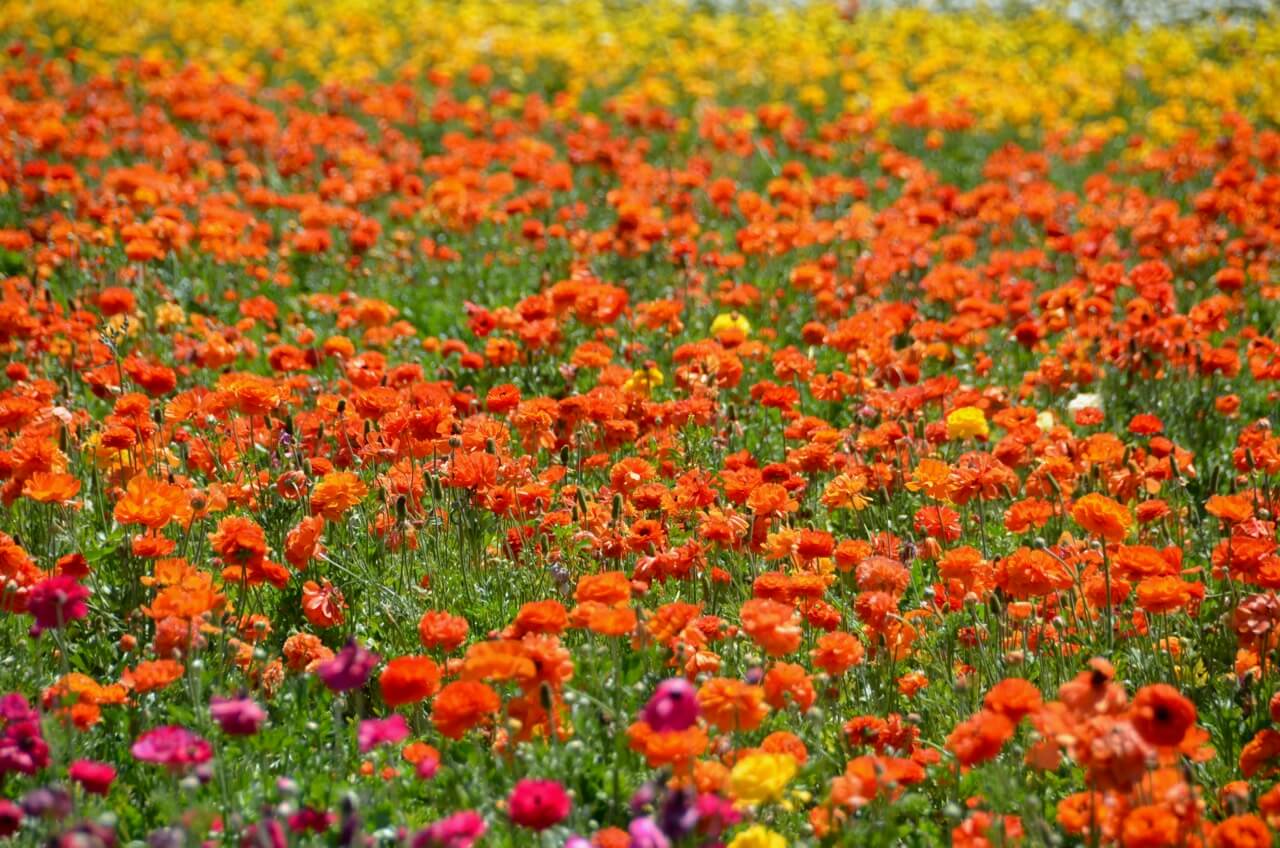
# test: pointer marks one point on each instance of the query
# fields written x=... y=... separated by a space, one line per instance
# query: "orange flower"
x=152 y=503
x=1103 y=517
x=547 y=616
x=407 y=680
x=152 y=675
x=676 y=748
x=239 y=541
x=788 y=683
x=837 y=652
x=497 y=661
x=1162 y=715
x=1232 y=509
x=442 y=630
x=1013 y=698
x=772 y=625
x=731 y=704
x=1245 y=831
x=335 y=493
x=979 y=738
x=462 y=705
x=770 y=500
x=302 y=544
x=609 y=587
x=322 y=604
x=51 y=487
x=1150 y=826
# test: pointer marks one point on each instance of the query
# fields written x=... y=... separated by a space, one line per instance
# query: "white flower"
x=1084 y=401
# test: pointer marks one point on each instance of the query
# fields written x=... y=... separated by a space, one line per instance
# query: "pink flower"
x=674 y=706
x=172 y=746
x=427 y=768
x=538 y=804
x=460 y=830
x=237 y=716
x=95 y=777
x=381 y=731
x=56 y=602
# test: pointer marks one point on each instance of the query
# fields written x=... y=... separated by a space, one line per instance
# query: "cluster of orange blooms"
x=548 y=405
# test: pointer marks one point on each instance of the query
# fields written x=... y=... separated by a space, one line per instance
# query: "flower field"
x=603 y=424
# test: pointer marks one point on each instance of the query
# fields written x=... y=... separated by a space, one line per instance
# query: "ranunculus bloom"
x=10 y=818
x=538 y=804
x=237 y=716
x=172 y=746
x=673 y=706
x=381 y=731
x=56 y=602
x=460 y=830
x=349 y=668
x=95 y=777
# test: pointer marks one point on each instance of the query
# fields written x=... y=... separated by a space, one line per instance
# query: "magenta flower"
x=237 y=716
x=381 y=731
x=538 y=804
x=172 y=746
x=56 y=602
x=95 y=777
x=10 y=818
x=460 y=830
x=427 y=768
x=349 y=668
x=674 y=706
x=22 y=745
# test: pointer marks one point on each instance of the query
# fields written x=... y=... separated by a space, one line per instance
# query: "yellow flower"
x=758 y=836
x=967 y=422
x=730 y=321
x=643 y=381
x=761 y=777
